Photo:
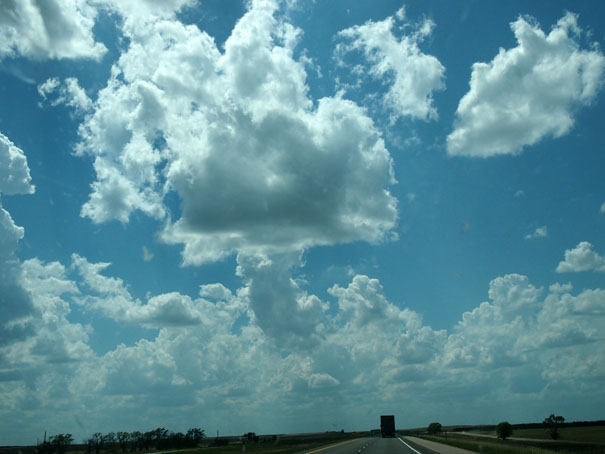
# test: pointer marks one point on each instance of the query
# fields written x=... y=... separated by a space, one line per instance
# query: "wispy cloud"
x=540 y=232
x=147 y=256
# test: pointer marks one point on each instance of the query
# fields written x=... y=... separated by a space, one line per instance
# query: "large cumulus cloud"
x=278 y=305
x=39 y=348
x=274 y=351
x=43 y=29
x=528 y=92
x=136 y=10
x=370 y=351
x=259 y=166
x=15 y=302
x=262 y=169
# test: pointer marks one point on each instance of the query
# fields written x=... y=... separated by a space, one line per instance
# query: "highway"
x=373 y=445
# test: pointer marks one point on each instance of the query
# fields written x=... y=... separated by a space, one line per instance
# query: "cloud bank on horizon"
x=230 y=153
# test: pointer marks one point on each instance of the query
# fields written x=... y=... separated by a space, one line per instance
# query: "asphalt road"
x=373 y=445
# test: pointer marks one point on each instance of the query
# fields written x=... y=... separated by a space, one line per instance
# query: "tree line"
x=504 y=429
x=157 y=439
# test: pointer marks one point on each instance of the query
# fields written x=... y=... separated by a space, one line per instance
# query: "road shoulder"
x=438 y=447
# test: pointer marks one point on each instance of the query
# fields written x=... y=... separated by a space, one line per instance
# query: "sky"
x=295 y=216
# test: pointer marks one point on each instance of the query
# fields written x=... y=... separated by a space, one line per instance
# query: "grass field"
x=489 y=446
x=286 y=445
x=590 y=434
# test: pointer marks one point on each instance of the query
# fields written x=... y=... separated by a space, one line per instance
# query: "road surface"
x=374 y=445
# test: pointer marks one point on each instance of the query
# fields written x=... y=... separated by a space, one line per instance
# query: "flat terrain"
x=574 y=440
x=590 y=434
x=490 y=445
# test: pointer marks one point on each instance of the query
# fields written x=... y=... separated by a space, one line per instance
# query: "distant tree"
x=61 y=442
x=147 y=440
x=109 y=441
x=137 y=441
x=553 y=423
x=250 y=437
x=95 y=442
x=159 y=438
x=194 y=437
x=504 y=430
x=434 y=428
x=45 y=447
x=123 y=440
x=176 y=440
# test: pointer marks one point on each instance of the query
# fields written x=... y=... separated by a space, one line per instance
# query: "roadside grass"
x=286 y=445
x=589 y=433
x=488 y=446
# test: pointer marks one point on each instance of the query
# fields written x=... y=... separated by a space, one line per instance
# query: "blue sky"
x=296 y=216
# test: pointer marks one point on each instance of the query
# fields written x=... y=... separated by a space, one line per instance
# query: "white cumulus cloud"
x=111 y=297
x=412 y=76
x=15 y=302
x=56 y=339
x=133 y=10
x=581 y=258
x=259 y=167
x=279 y=306
x=528 y=92
x=369 y=351
x=16 y=306
x=14 y=171
x=43 y=29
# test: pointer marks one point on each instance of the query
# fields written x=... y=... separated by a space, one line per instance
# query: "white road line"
x=408 y=445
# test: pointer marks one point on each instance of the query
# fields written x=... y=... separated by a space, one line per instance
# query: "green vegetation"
x=593 y=434
x=158 y=439
x=495 y=446
x=434 y=428
x=56 y=444
x=590 y=434
x=553 y=423
x=161 y=440
x=504 y=430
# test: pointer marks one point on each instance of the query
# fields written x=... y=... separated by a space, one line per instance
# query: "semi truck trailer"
x=387 y=425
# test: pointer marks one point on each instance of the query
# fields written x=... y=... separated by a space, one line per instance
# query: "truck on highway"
x=387 y=426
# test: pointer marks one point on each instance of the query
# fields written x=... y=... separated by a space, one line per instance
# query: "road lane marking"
x=332 y=446
x=408 y=445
